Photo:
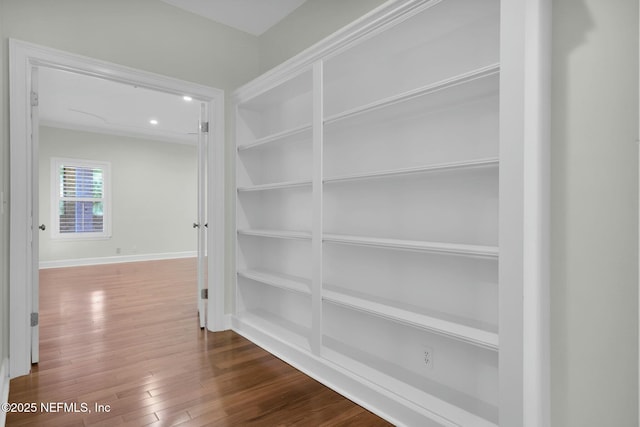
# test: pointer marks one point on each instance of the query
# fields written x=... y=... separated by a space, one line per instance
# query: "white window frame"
x=56 y=163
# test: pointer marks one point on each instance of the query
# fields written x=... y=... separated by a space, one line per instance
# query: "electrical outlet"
x=118 y=251
x=427 y=357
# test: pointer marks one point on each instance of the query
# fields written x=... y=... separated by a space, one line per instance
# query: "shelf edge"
x=453 y=249
x=279 y=234
x=275 y=186
x=470 y=76
x=474 y=336
x=441 y=167
x=275 y=281
x=274 y=137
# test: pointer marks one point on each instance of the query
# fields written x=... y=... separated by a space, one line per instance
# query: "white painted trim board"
x=78 y=262
x=4 y=388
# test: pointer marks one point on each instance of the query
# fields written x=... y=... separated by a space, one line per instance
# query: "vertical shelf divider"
x=316 y=232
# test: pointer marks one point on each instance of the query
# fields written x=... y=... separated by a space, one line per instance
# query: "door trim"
x=23 y=57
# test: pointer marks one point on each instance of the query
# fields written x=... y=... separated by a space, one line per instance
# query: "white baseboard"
x=227 y=321
x=390 y=406
x=4 y=388
x=225 y=324
x=115 y=259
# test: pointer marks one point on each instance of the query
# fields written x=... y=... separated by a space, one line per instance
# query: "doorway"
x=25 y=61
x=119 y=178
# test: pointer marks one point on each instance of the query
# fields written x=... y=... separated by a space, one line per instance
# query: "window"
x=80 y=203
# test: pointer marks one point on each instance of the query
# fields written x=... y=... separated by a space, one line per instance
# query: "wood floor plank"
x=127 y=336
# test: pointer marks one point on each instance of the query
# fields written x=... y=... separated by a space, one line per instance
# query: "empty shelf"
x=442 y=167
x=279 y=234
x=275 y=186
x=480 y=73
x=415 y=245
x=275 y=137
x=447 y=328
x=279 y=280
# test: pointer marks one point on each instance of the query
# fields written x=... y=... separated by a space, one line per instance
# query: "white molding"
x=216 y=209
x=79 y=262
x=20 y=183
x=317 y=228
x=366 y=26
x=524 y=207
x=38 y=55
x=388 y=405
x=537 y=190
x=23 y=57
x=4 y=388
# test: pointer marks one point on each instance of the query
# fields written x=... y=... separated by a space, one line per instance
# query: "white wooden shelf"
x=278 y=234
x=280 y=136
x=458 y=80
x=468 y=334
x=295 y=85
x=443 y=404
x=442 y=167
x=276 y=186
x=276 y=327
x=383 y=146
x=415 y=245
x=278 y=280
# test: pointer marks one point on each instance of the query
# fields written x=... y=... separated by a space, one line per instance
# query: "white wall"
x=308 y=24
x=594 y=277
x=145 y=34
x=153 y=195
x=4 y=217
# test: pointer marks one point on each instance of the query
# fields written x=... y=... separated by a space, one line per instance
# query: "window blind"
x=81 y=199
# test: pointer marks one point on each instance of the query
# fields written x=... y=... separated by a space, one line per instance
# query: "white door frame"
x=25 y=56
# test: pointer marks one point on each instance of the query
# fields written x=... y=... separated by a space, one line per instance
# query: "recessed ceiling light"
x=187 y=98
x=153 y=121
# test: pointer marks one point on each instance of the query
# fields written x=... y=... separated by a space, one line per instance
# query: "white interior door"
x=201 y=223
x=34 y=223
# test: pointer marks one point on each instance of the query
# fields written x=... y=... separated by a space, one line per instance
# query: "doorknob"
x=42 y=227
x=196 y=225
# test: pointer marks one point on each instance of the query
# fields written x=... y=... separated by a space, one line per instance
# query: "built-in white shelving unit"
x=379 y=198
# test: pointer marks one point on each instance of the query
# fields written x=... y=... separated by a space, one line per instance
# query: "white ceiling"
x=76 y=101
x=252 y=16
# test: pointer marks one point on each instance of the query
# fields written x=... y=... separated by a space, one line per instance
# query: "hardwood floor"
x=127 y=336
